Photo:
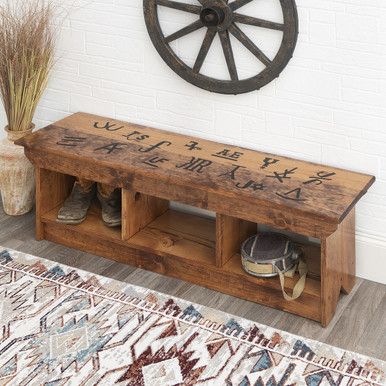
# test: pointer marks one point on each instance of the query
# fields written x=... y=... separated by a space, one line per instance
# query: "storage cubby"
x=199 y=249
x=178 y=235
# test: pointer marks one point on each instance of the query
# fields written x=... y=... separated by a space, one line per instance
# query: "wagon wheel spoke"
x=244 y=39
x=228 y=53
x=238 y=4
x=180 y=6
x=258 y=22
x=210 y=34
x=184 y=31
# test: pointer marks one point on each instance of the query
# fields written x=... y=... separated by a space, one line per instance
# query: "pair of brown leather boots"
x=75 y=208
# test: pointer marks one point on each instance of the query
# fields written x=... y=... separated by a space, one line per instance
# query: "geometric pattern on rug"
x=65 y=326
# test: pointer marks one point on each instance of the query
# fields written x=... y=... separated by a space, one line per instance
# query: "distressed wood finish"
x=331 y=275
x=338 y=266
x=289 y=194
x=52 y=189
x=230 y=233
x=146 y=209
x=348 y=252
x=242 y=186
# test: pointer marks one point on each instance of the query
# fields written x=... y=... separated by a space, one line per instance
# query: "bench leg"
x=348 y=253
x=51 y=190
x=337 y=266
x=331 y=275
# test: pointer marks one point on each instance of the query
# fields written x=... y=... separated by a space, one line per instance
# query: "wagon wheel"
x=217 y=16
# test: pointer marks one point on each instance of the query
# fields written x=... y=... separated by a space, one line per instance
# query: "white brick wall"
x=329 y=104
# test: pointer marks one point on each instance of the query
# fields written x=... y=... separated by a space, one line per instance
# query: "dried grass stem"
x=26 y=58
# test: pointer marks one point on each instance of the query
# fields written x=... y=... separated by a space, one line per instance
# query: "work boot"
x=111 y=208
x=74 y=209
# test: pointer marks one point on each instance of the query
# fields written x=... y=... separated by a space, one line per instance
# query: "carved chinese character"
x=281 y=176
x=195 y=165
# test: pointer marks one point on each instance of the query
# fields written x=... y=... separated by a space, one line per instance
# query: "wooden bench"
x=243 y=187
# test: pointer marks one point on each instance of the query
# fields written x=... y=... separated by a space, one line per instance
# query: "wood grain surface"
x=141 y=158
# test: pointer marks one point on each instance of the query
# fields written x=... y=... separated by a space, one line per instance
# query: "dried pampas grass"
x=26 y=58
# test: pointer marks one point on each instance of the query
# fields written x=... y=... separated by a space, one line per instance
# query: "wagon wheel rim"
x=220 y=17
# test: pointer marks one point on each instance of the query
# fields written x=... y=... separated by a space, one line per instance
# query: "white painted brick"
x=66 y=65
x=280 y=124
x=252 y=123
x=91 y=105
x=368 y=147
x=116 y=96
x=379 y=188
x=302 y=110
x=228 y=124
x=322 y=33
x=103 y=72
x=314 y=83
x=72 y=40
x=360 y=121
x=323 y=137
x=370 y=223
x=322 y=16
x=284 y=145
x=372 y=210
x=100 y=51
x=349 y=159
x=72 y=86
x=174 y=122
x=355 y=82
x=357 y=28
x=100 y=39
x=126 y=112
x=49 y=114
x=383 y=163
x=362 y=97
x=188 y=106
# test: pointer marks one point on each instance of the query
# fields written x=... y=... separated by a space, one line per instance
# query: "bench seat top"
x=132 y=152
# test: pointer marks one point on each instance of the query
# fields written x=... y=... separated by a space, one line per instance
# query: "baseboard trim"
x=371 y=257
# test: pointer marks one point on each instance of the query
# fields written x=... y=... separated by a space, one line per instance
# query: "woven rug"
x=64 y=326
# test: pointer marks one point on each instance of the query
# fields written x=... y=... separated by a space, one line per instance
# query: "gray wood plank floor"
x=359 y=324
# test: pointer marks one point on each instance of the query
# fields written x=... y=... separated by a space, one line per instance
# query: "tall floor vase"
x=17 y=181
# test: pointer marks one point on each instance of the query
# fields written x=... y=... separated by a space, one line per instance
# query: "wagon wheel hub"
x=223 y=18
x=212 y=16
